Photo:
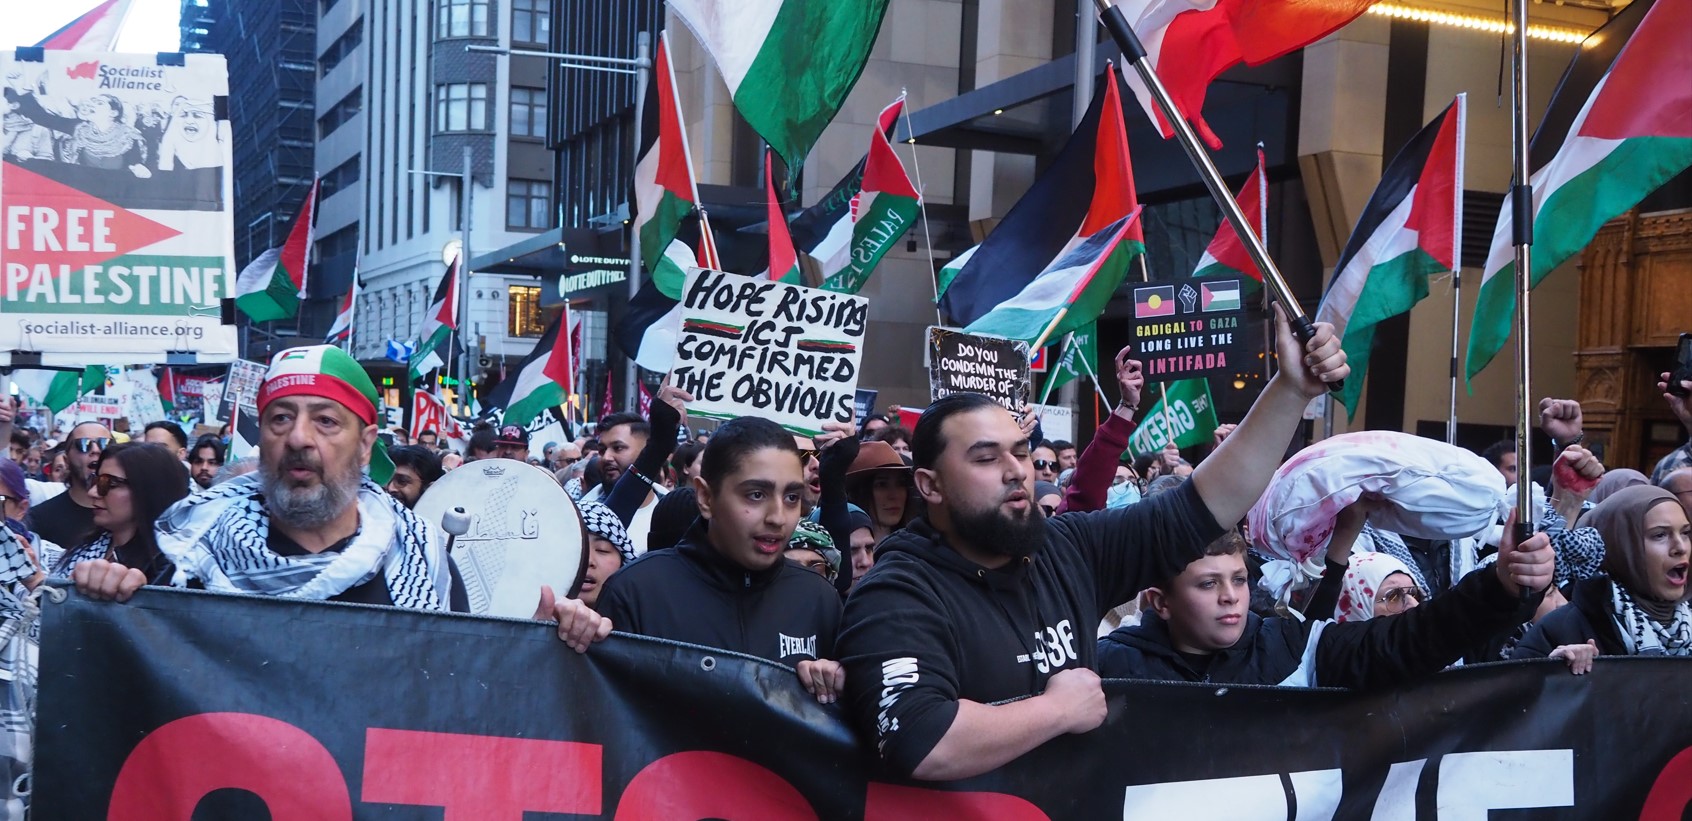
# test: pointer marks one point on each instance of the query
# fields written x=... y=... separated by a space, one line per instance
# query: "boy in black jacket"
x=1198 y=627
x=727 y=583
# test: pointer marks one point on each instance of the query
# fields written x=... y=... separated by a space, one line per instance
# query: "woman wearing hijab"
x=135 y=483
x=1616 y=480
x=1376 y=584
x=1639 y=606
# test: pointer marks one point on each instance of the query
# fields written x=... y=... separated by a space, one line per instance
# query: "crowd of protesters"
x=959 y=587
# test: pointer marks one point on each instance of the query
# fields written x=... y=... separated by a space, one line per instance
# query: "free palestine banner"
x=116 y=234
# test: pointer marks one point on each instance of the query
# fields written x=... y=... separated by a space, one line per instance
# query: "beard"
x=1000 y=533
x=308 y=508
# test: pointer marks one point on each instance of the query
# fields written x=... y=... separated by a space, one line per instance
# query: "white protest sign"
x=752 y=347
x=1057 y=422
x=142 y=403
x=211 y=396
x=99 y=407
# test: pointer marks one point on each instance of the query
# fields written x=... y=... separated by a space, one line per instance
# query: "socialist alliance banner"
x=233 y=705
x=116 y=226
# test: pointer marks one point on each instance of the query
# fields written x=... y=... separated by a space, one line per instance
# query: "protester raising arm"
x=1231 y=479
x=668 y=411
x=1682 y=408
x=1090 y=487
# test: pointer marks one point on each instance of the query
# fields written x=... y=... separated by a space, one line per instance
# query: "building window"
x=528 y=112
x=461 y=107
x=341 y=48
x=340 y=113
x=344 y=241
x=342 y=176
x=528 y=204
x=525 y=312
x=531 y=21
x=461 y=18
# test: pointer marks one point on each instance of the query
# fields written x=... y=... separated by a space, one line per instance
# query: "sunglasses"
x=105 y=482
x=1042 y=464
x=1399 y=597
x=85 y=445
x=806 y=455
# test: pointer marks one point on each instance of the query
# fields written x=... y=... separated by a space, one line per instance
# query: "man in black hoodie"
x=727 y=584
x=985 y=599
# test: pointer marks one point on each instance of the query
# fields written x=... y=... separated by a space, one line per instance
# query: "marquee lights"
x=1491 y=25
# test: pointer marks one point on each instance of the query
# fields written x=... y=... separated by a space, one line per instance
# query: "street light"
x=641 y=67
x=466 y=202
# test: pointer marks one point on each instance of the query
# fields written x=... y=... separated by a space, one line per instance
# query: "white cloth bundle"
x=1436 y=491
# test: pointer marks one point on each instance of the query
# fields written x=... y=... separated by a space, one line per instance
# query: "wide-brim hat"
x=873 y=456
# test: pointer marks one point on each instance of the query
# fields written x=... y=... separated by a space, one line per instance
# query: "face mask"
x=1122 y=495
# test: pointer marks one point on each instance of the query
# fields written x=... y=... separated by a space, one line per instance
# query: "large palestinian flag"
x=788 y=64
x=1070 y=294
x=1088 y=188
x=1410 y=230
x=1607 y=141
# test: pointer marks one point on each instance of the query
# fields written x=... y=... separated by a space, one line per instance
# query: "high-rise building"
x=269 y=45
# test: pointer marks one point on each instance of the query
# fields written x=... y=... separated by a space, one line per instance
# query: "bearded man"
x=984 y=599
x=307 y=524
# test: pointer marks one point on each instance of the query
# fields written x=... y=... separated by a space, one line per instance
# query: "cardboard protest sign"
x=969 y=363
x=863 y=405
x=117 y=240
x=1057 y=422
x=240 y=389
x=1190 y=418
x=429 y=413
x=142 y=403
x=1188 y=327
x=753 y=347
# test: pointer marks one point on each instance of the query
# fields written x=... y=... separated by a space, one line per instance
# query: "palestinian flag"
x=1190 y=42
x=1226 y=255
x=438 y=322
x=543 y=379
x=167 y=390
x=58 y=390
x=96 y=30
x=784 y=261
x=849 y=230
x=1411 y=229
x=1081 y=281
x=648 y=330
x=1619 y=126
x=789 y=64
x=341 y=330
x=950 y=271
x=1087 y=189
x=664 y=189
x=271 y=286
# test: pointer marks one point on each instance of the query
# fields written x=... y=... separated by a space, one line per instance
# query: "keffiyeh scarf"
x=221 y=538
x=601 y=522
x=1645 y=636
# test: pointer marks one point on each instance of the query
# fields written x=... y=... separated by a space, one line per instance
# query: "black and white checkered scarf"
x=221 y=538
x=1645 y=636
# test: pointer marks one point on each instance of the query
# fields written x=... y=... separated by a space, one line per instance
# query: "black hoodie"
x=927 y=627
x=693 y=594
x=1379 y=652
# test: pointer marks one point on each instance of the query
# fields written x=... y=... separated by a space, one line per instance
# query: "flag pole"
x=922 y=207
x=1457 y=262
x=1091 y=374
x=1135 y=53
x=1521 y=224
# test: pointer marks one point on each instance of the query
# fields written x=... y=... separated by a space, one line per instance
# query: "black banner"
x=989 y=365
x=183 y=704
x=1189 y=327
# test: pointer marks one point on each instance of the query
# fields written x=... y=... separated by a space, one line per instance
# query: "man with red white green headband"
x=308 y=523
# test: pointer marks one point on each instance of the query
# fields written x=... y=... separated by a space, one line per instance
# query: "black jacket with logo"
x=927 y=627
x=1380 y=652
x=694 y=594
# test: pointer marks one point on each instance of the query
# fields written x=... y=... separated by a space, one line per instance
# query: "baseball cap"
x=512 y=435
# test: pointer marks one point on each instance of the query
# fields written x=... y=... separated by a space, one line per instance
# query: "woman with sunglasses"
x=134 y=484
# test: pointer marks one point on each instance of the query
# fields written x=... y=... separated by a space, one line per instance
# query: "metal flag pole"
x=643 y=71
x=1457 y=262
x=1135 y=53
x=1521 y=225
